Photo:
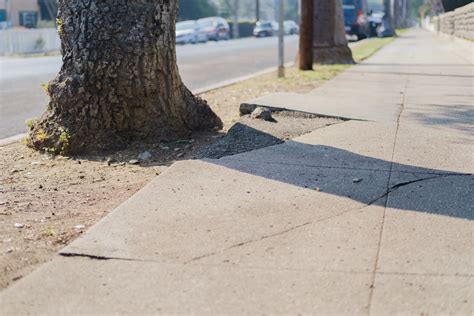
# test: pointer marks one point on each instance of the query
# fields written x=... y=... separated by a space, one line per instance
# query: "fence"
x=28 y=41
x=459 y=23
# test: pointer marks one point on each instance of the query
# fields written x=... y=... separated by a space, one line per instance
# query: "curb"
x=12 y=139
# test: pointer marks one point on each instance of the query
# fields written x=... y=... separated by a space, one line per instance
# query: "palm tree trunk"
x=329 y=36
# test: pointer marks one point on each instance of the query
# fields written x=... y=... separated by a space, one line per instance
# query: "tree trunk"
x=329 y=36
x=235 y=28
x=396 y=13
x=306 y=35
x=119 y=80
x=388 y=17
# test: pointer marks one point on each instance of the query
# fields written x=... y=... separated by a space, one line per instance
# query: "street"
x=22 y=97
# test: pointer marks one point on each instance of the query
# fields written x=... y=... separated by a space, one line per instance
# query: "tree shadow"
x=416 y=65
x=413 y=74
x=456 y=117
x=369 y=180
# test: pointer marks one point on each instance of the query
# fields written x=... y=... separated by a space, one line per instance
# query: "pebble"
x=262 y=113
x=79 y=227
x=134 y=162
x=19 y=225
x=356 y=180
x=165 y=147
x=180 y=155
x=111 y=161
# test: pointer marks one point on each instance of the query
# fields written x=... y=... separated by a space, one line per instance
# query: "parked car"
x=291 y=27
x=355 y=18
x=263 y=29
x=375 y=22
x=190 y=32
x=215 y=27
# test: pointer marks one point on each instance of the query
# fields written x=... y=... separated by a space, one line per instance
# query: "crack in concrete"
x=249 y=242
x=390 y=190
x=397 y=186
x=387 y=193
x=350 y=168
x=96 y=257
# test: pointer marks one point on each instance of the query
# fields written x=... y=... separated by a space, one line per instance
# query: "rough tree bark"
x=306 y=35
x=388 y=17
x=329 y=36
x=119 y=80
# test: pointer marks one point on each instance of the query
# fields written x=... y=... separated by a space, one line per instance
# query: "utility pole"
x=281 y=39
x=257 y=10
x=306 y=35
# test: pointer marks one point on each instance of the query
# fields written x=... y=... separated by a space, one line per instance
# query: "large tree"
x=329 y=36
x=119 y=80
x=233 y=8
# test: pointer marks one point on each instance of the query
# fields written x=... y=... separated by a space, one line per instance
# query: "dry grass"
x=226 y=101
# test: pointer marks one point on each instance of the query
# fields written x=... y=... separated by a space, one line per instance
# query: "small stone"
x=79 y=227
x=134 y=162
x=19 y=225
x=177 y=149
x=356 y=180
x=317 y=189
x=180 y=155
x=145 y=156
x=165 y=147
x=14 y=171
x=10 y=250
x=262 y=114
x=111 y=161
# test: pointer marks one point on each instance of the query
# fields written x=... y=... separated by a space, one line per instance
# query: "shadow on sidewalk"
x=457 y=117
x=369 y=180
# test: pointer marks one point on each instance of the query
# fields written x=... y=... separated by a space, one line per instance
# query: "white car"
x=291 y=27
x=190 y=32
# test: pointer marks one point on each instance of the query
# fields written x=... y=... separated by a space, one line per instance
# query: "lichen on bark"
x=119 y=80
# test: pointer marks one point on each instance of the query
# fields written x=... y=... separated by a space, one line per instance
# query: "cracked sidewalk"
x=369 y=216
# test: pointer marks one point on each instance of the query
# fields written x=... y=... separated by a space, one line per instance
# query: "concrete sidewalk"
x=369 y=216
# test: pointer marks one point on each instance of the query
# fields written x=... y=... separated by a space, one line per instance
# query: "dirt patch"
x=251 y=134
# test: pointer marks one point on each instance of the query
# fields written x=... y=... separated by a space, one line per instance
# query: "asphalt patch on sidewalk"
x=251 y=134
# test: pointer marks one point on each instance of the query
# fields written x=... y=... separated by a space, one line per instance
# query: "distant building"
x=19 y=13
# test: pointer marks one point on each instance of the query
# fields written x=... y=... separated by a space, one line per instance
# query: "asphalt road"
x=201 y=66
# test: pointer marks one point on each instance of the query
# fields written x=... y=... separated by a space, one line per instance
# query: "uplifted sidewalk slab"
x=328 y=106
